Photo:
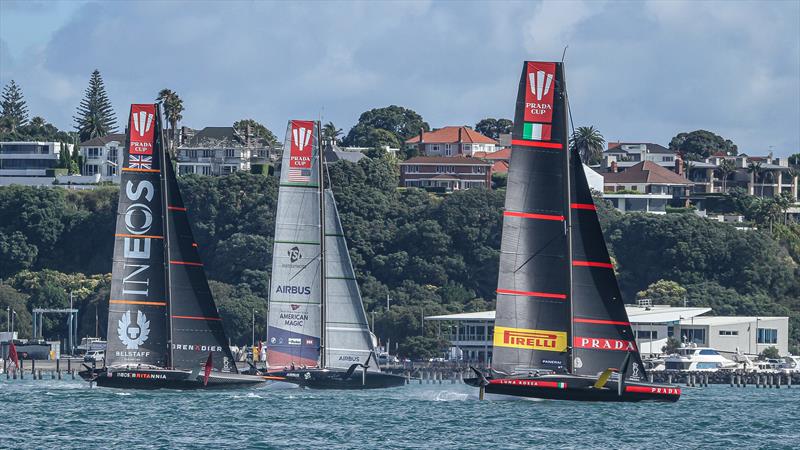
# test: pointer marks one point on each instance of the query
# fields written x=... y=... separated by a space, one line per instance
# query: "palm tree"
x=724 y=170
x=330 y=134
x=173 y=107
x=754 y=169
x=589 y=142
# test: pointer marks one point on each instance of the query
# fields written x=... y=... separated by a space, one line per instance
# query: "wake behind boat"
x=164 y=329
x=561 y=330
x=318 y=336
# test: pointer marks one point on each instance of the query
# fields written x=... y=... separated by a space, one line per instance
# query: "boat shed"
x=471 y=333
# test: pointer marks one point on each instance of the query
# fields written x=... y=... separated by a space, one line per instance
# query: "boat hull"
x=167 y=379
x=578 y=388
x=339 y=379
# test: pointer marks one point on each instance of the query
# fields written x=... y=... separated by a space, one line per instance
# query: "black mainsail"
x=532 y=325
x=561 y=330
x=137 y=314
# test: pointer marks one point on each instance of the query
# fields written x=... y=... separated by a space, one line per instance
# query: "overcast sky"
x=637 y=71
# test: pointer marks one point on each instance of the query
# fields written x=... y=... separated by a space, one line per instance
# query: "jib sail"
x=195 y=321
x=294 y=324
x=137 y=329
x=532 y=326
x=603 y=334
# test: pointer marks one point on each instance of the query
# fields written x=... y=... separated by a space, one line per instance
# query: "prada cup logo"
x=540 y=83
x=142 y=122
x=133 y=334
x=300 y=137
x=294 y=254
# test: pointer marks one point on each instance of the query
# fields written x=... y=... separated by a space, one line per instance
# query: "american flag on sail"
x=140 y=162
x=299 y=175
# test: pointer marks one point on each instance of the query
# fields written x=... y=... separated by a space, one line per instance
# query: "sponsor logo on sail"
x=142 y=129
x=138 y=220
x=540 y=85
x=544 y=340
x=604 y=344
x=294 y=254
x=133 y=334
x=197 y=347
x=294 y=318
x=301 y=151
x=294 y=341
x=289 y=289
x=350 y=358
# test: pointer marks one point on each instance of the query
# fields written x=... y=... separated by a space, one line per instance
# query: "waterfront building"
x=643 y=187
x=472 y=333
x=445 y=174
x=103 y=155
x=452 y=141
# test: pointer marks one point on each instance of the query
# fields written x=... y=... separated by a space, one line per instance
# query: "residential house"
x=452 y=141
x=644 y=187
x=219 y=151
x=103 y=155
x=628 y=154
x=442 y=173
x=23 y=161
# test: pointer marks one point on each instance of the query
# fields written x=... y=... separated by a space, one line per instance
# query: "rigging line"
x=541 y=249
x=303 y=268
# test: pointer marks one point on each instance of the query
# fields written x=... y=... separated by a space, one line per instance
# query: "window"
x=94 y=152
x=229 y=153
x=696 y=335
x=478 y=169
x=467 y=148
x=728 y=332
x=111 y=171
x=767 y=336
x=112 y=154
x=646 y=334
x=434 y=148
x=445 y=169
x=91 y=169
x=670 y=331
x=208 y=153
x=412 y=169
x=447 y=150
x=185 y=169
x=191 y=153
x=206 y=170
x=709 y=352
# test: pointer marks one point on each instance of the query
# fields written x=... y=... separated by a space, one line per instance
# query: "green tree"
x=755 y=169
x=18 y=303
x=14 y=108
x=15 y=253
x=589 y=143
x=671 y=346
x=173 y=107
x=257 y=130
x=770 y=353
x=402 y=123
x=701 y=144
x=330 y=134
x=724 y=170
x=493 y=128
x=421 y=348
x=664 y=292
x=95 y=114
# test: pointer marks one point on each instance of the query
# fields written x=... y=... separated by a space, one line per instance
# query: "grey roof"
x=215 y=136
x=651 y=148
x=333 y=155
x=103 y=140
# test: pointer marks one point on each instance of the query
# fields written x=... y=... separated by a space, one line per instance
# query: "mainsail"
x=295 y=320
x=559 y=306
x=532 y=324
x=348 y=338
x=137 y=328
x=195 y=322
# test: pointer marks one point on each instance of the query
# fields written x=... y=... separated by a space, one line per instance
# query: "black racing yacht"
x=164 y=330
x=561 y=330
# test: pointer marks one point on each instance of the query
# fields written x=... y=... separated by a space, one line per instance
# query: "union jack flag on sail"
x=140 y=162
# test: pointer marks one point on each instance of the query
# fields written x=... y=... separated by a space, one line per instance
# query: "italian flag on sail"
x=536 y=131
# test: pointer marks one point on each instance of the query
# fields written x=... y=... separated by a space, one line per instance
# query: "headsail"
x=137 y=328
x=603 y=335
x=197 y=331
x=532 y=325
x=349 y=340
x=294 y=316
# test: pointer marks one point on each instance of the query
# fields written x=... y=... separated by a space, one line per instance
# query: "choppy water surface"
x=67 y=414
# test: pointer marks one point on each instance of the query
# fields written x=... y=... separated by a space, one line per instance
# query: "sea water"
x=69 y=414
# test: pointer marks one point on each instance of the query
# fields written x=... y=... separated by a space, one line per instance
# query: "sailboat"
x=163 y=326
x=561 y=330
x=318 y=335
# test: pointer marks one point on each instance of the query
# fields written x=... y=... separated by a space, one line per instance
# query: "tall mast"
x=568 y=215
x=322 y=294
x=164 y=223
